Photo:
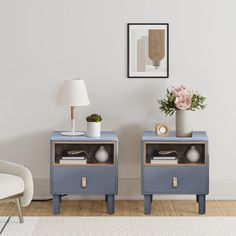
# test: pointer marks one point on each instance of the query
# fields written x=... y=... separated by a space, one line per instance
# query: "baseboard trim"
x=130 y=189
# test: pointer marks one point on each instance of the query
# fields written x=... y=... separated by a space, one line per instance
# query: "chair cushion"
x=10 y=185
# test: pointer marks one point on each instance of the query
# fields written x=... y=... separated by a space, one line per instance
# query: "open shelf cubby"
x=88 y=149
x=180 y=148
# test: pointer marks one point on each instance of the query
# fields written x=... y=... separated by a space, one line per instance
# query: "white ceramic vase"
x=93 y=129
x=192 y=154
x=183 y=123
x=101 y=154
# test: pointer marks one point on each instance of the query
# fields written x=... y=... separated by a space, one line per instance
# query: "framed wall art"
x=148 y=50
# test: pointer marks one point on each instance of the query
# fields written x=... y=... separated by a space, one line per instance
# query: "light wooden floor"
x=123 y=208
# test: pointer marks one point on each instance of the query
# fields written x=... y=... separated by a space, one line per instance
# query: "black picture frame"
x=129 y=75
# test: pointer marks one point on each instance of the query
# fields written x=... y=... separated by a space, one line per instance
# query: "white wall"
x=45 y=41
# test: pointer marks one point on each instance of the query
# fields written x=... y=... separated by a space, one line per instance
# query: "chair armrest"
x=24 y=173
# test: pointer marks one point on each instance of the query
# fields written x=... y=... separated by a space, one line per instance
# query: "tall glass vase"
x=183 y=123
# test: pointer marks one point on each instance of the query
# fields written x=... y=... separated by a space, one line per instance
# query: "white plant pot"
x=183 y=123
x=93 y=129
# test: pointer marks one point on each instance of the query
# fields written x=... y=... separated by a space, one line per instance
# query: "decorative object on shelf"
x=192 y=154
x=94 y=125
x=161 y=130
x=165 y=157
x=77 y=153
x=164 y=160
x=78 y=157
x=73 y=93
x=168 y=152
x=101 y=154
x=148 y=50
x=73 y=161
x=182 y=101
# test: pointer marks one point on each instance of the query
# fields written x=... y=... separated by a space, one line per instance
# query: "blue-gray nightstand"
x=180 y=178
x=90 y=178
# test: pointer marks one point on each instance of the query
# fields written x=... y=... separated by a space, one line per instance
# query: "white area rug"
x=134 y=226
x=2 y=221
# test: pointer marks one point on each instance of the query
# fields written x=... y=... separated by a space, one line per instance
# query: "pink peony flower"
x=183 y=102
x=182 y=90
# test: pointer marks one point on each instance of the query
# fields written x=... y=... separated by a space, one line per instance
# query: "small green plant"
x=94 y=118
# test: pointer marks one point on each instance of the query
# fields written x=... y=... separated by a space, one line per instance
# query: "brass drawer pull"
x=84 y=182
x=174 y=182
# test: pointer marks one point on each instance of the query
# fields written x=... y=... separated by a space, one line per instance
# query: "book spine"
x=73 y=158
x=164 y=158
x=73 y=162
x=164 y=162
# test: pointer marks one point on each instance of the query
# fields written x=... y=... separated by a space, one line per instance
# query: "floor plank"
x=163 y=208
x=6 y=208
x=228 y=208
x=122 y=208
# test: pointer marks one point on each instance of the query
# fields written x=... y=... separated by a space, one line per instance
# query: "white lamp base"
x=71 y=133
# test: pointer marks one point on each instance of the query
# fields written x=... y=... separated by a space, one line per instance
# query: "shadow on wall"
x=129 y=156
x=31 y=150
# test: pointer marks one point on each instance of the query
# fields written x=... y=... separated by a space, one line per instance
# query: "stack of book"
x=164 y=160
x=73 y=160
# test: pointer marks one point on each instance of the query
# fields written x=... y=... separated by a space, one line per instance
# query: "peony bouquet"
x=181 y=98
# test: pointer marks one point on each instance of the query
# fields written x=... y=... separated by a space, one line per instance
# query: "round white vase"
x=192 y=154
x=183 y=123
x=93 y=129
x=101 y=154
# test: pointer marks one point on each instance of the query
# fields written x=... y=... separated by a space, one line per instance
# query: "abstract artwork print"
x=148 y=52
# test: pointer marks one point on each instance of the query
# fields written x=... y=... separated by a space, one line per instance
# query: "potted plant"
x=182 y=101
x=94 y=125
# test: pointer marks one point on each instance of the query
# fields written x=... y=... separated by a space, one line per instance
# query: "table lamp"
x=73 y=93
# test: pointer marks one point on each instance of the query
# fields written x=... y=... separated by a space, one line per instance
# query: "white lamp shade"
x=73 y=93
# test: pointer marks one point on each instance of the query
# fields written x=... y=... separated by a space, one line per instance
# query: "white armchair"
x=16 y=183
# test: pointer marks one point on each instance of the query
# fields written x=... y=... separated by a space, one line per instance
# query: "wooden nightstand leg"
x=110 y=203
x=56 y=204
x=201 y=203
x=147 y=203
x=197 y=198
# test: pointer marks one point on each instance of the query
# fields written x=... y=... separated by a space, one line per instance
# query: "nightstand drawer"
x=84 y=179
x=175 y=179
